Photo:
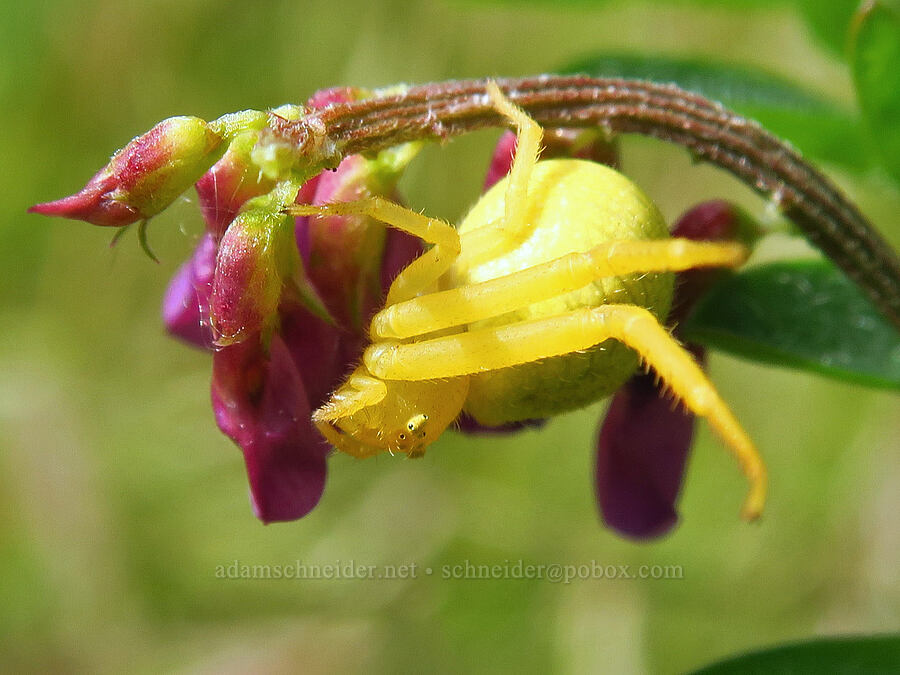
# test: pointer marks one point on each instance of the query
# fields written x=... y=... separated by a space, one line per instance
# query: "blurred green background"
x=119 y=498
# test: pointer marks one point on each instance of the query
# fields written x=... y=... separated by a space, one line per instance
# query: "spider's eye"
x=402 y=437
x=416 y=424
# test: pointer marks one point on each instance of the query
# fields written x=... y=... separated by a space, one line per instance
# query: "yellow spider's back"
x=573 y=205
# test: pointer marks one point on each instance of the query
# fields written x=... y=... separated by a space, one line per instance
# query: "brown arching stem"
x=441 y=110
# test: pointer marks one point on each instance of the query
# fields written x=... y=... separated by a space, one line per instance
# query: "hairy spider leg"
x=467 y=304
x=359 y=391
x=493 y=239
x=425 y=270
x=490 y=349
x=528 y=142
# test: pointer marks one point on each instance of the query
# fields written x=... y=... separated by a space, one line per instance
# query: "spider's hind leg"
x=489 y=349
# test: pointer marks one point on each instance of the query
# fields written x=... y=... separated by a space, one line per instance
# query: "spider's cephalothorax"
x=543 y=301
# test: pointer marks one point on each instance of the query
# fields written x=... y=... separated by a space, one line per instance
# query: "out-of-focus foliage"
x=801 y=314
x=848 y=655
x=820 y=128
x=804 y=315
x=876 y=55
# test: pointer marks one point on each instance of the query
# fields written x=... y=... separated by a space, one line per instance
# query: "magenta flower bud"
x=253 y=260
x=585 y=144
x=260 y=402
x=186 y=303
x=715 y=220
x=344 y=253
x=644 y=440
x=230 y=182
x=346 y=257
x=144 y=177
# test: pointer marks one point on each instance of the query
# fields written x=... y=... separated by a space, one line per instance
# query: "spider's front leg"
x=468 y=304
x=425 y=270
x=491 y=349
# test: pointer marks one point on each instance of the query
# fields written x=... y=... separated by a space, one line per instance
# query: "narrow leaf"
x=803 y=314
x=830 y=21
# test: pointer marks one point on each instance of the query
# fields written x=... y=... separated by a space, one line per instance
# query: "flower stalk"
x=710 y=132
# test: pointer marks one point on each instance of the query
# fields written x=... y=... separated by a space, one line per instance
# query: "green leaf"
x=868 y=654
x=830 y=21
x=816 y=126
x=804 y=314
x=876 y=71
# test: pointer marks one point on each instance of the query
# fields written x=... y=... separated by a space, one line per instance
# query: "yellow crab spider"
x=545 y=299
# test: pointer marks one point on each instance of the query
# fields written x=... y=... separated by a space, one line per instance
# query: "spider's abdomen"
x=573 y=205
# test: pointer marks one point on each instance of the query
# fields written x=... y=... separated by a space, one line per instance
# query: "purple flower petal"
x=467 y=425
x=261 y=404
x=641 y=454
x=186 y=303
x=318 y=350
x=400 y=249
x=709 y=221
x=643 y=444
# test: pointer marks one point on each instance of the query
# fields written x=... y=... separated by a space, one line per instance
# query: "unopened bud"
x=144 y=177
x=256 y=255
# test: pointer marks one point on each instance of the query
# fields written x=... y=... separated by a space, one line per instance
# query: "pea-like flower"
x=284 y=302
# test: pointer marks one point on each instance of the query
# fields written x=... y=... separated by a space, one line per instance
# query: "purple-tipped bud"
x=645 y=439
x=260 y=403
x=251 y=266
x=186 y=303
x=144 y=177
